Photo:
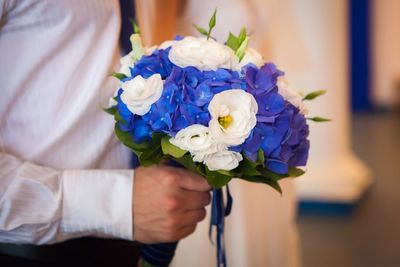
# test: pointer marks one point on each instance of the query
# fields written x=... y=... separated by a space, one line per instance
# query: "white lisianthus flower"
x=251 y=56
x=233 y=115
x=291 y=96
x=193 y=138
x=139 y=93
x=223 y=160
x=201 y=53
x=200 y=156
x=111 y=101
x=127 y=62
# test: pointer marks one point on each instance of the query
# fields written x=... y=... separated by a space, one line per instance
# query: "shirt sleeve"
x=41 y=205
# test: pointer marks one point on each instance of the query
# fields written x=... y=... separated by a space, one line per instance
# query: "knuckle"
x=171 y=236
x=172 y=203
x=207 y=199
x=202 y=214
x=188 y=231
x=170 y=178
x=171 y=223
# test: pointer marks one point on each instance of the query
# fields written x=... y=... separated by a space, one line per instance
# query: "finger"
x=192 y=217
x=193 y=181
x=185 y=231
x=195 y=200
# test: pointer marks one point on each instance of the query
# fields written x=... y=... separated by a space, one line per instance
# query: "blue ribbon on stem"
x=218 y=213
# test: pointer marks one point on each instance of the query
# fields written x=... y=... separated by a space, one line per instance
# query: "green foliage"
x=135 y=26
x=319 y=119
x=187 y=162
x=211 y=25
x=238 y=43
x=119 y=76
x=127 y=140
x=217 y=179
x=295 y=172
x=314 y=95
x=170 y=149
x=201 y=30
x=232 y=42
x=111 y=110
x=241 y=51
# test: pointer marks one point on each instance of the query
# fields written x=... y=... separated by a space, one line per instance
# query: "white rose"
x=233 y=115
x=291 y=96
x=223 y=160
x=251 y=56
x=139 y=93
x=193 y=138
x=201 y=53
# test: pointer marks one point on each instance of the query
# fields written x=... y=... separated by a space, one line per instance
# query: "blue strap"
x=158 y=255
x=218 y=213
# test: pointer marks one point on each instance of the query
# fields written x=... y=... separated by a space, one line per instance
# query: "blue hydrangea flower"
x=281 y=131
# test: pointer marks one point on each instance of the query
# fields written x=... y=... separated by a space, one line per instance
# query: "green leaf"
x=261 y=158
x=216 y=179
x=135 y=26
x=242 y=35
x=242 y=48
x=170 y=149
x=271 y=175
x=119 y=76
x=224 y=172
x=313 y=95
x=319 y=119
x=295 y=172
x=201 y=30
x=111 y=110
x=151 y=156
x=187 y=162
x=265 y=180
x=118 y=118
x=211 y=23
x=275 y=185
x=247 y=168
x=156 y=139
x=232 y=42
x=127 y=140
x=201 y=169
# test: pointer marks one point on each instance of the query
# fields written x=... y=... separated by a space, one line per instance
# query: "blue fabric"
x=360 y=54
x=218 y=213
x=127 y=8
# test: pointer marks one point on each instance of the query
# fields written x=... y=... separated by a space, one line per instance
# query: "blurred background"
x=347 y=201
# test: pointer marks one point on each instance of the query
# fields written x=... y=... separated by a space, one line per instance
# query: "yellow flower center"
x=225 y=121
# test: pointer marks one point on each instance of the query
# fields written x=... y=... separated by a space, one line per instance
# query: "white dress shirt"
x=63 y=174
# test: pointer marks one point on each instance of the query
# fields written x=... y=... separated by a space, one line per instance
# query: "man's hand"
x=167 y=203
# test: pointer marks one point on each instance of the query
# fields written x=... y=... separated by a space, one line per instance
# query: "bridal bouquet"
x=217 y=109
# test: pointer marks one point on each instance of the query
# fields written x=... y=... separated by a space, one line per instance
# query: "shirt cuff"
x=97 y=203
